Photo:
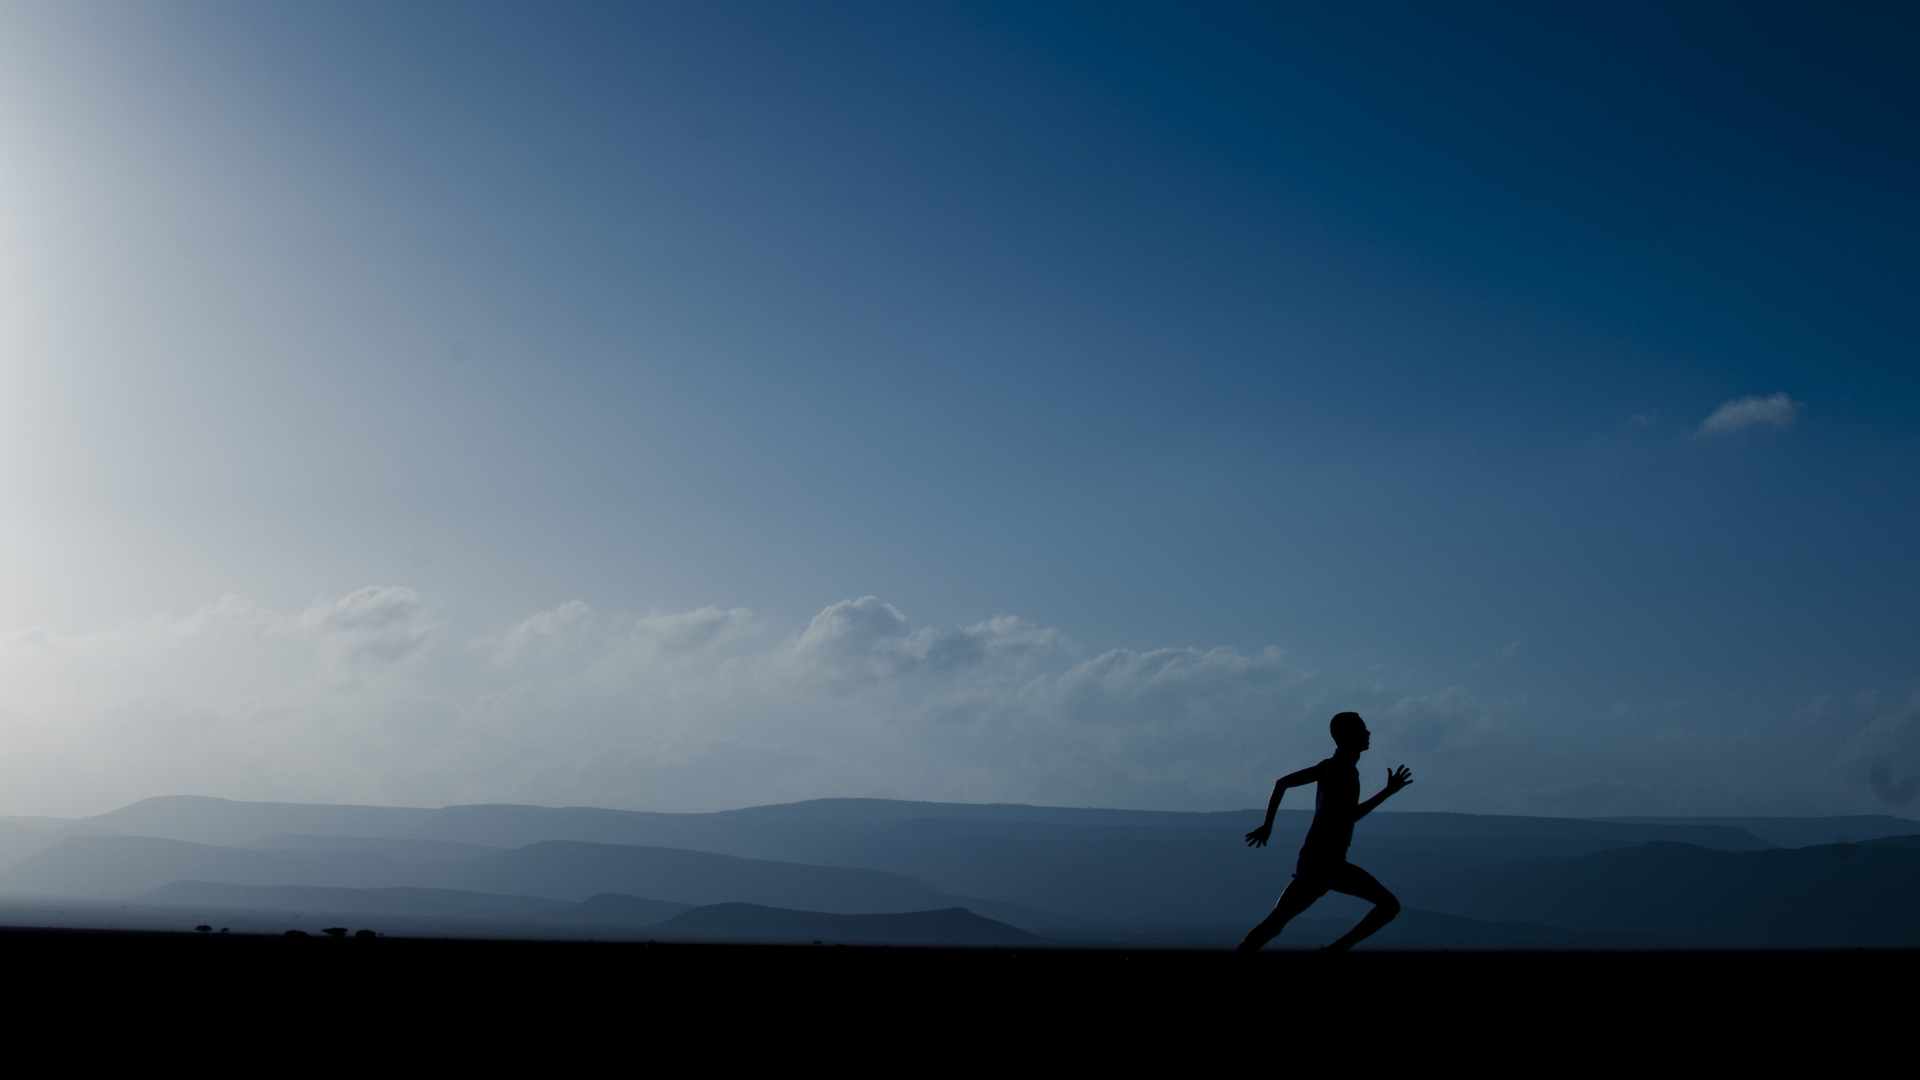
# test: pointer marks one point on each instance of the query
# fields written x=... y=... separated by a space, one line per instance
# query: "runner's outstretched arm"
x=1396 y=779
x=1308 y=775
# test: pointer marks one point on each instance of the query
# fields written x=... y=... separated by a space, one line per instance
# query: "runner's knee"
x=1388 y=905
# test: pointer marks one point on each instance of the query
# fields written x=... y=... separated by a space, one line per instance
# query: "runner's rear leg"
x=1294 y=899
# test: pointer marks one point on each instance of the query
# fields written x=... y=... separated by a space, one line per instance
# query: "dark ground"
x=631 y=1006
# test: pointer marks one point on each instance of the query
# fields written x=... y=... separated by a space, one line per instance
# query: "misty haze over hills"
x=864 y=870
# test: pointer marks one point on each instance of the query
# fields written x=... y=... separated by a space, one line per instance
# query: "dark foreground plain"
x=640 y=1006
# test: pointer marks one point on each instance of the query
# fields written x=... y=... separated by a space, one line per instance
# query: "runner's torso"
x=1336 y=798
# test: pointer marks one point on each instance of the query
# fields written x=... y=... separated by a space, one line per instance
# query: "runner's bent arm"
x=1308 y=775
x=1396 y=779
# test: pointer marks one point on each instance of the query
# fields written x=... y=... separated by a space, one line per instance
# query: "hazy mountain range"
x=861 y=870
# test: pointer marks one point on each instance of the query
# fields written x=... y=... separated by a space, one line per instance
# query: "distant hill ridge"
x=208 y=820
x=1089 y=874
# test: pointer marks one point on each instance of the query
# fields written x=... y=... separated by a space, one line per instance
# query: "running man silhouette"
x=1323 y=865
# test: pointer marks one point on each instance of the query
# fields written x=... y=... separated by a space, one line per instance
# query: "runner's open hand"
x=1398 y=778
x=1258 y=837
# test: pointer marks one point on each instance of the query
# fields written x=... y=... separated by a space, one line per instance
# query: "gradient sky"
x=690 y=405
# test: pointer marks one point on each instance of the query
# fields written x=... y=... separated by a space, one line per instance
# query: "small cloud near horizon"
x=1775 y=411
x=1890 y=791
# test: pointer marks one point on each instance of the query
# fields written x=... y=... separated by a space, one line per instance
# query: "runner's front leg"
x=1354 y=881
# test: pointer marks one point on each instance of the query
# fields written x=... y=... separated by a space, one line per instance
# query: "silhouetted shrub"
x=335 y=931
x=204 y=928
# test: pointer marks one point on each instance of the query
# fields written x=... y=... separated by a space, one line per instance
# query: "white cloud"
x=1884 y=756
x=574 y=640
x=1774 y=411
x=1891 y=791
x=375 y=625
x=860 y=641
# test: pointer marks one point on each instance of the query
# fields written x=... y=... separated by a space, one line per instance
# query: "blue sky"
x=436 y=402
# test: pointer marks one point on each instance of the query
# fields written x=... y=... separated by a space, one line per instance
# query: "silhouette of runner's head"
x=1350 y=732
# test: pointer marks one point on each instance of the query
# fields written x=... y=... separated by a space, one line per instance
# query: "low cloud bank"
x=366 y=698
